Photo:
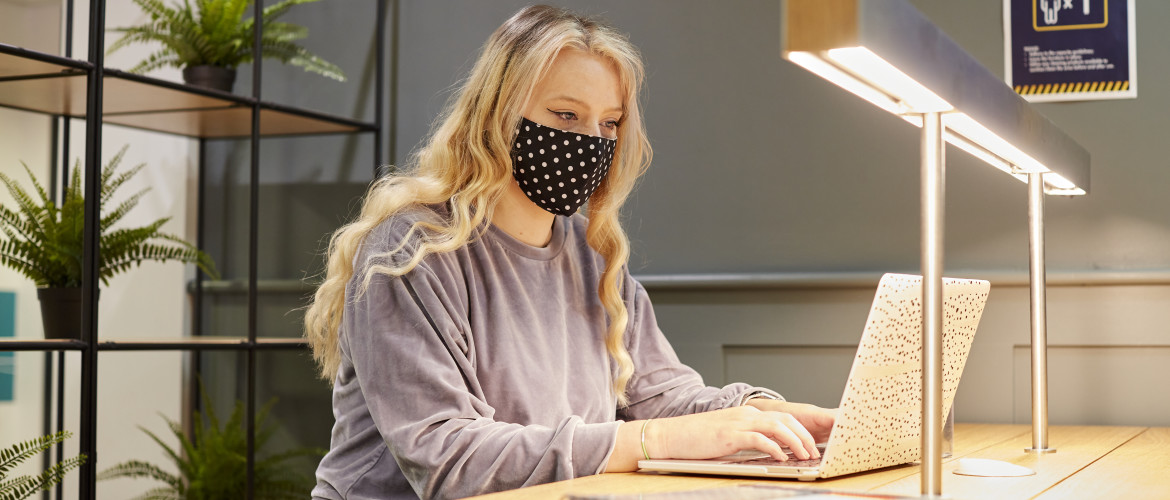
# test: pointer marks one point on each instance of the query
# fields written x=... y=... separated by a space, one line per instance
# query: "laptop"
x=878 y=423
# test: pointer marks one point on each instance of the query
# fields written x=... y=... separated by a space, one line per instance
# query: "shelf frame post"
x=253 y=249
x=91 y=259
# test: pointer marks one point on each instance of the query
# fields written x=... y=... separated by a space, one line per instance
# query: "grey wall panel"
x=1099 y=385
x=755 y=336
x=808 y=373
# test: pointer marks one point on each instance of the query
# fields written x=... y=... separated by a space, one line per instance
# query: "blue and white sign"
x=1070 y=50
x=7 y=329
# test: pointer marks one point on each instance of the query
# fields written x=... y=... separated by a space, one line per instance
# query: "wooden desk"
x=1090 y=462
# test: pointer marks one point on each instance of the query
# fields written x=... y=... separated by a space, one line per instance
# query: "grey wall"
x=762 y=167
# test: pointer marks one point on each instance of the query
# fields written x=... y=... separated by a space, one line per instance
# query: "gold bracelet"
x=644 y=452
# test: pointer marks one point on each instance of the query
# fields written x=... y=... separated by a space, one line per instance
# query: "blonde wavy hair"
x=466 y=164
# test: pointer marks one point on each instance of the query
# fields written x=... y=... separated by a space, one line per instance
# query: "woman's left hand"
x=818 y=421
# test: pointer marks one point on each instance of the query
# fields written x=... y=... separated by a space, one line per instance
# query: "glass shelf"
x=44 y=83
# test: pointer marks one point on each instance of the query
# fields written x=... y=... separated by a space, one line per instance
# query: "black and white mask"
x=558 y=170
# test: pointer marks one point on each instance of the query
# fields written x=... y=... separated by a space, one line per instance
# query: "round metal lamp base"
x=1039 y=451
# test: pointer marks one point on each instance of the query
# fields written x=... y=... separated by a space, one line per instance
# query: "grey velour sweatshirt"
x=485 y=369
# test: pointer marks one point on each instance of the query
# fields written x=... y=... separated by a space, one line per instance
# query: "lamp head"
x=889 y=54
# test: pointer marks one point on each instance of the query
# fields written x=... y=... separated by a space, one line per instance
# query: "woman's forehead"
x=582 y=76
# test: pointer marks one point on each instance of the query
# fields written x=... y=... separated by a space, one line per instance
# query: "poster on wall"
x=1070 y=50
x=7 y=359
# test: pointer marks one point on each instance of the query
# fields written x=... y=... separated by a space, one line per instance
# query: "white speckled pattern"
x=878 y=424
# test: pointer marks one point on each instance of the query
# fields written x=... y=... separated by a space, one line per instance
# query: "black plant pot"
x=212 y=77
x=61 y=312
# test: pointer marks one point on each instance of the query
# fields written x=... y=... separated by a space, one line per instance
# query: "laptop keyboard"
x=791 y=462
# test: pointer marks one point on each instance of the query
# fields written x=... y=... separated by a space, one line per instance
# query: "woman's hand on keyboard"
x=723 y=432
x=818 y=421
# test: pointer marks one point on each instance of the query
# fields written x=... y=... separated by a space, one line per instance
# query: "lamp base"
x=1040 y=451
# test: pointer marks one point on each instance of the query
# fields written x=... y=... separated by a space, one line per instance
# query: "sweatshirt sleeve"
x=406 y=337
x=662 y=386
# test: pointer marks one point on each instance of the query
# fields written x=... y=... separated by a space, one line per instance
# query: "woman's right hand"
x=712 y=434
x=723 y=432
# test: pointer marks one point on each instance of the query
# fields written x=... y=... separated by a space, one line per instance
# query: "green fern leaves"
x=215 y=33
x=43 y=240
x=22 y=487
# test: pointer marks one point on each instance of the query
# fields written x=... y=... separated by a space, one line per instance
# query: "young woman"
x=483 y=335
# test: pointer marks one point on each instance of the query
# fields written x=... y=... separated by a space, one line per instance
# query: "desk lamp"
x=889 y=54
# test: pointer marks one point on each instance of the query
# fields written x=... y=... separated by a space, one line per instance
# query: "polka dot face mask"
x=558 y=170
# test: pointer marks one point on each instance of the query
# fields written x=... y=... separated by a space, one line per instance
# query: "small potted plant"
x=212 y=463
x=210 y=39
x=43 y=241
x=19 y=488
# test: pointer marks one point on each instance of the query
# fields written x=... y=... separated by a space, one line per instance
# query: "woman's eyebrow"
x=579 y=102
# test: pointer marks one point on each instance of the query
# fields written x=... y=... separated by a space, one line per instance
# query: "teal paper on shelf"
x=7 y=329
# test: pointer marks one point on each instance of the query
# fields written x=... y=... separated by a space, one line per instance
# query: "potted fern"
x=19 y=488
x=210 y=39
x=43 y=241
x=212 y=462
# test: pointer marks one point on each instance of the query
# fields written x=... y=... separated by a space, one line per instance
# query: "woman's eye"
x=610 y=125
x=565 y=115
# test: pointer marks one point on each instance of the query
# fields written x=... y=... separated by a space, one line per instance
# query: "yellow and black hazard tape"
x=1065 y=88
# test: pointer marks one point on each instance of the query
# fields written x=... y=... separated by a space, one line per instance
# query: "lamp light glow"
x=964 y=125
x=865 y=74
x=1057 y=184
x=983 y=154
x=846 y=81
x=869 y=66
x=889 y=54
x=977 y=151
x=1070 y=192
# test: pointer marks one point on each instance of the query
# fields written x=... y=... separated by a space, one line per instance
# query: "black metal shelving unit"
x=68 y=88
